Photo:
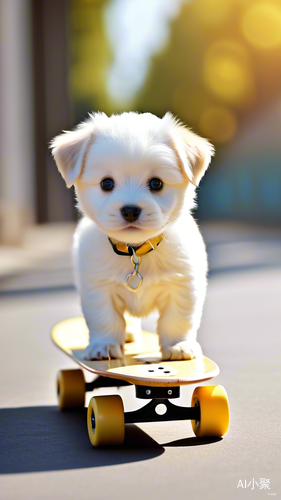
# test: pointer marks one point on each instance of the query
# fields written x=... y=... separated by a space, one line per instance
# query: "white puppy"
x=135 y=177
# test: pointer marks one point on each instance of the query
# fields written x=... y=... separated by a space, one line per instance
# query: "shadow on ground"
x=44 y=439
x=191 y=441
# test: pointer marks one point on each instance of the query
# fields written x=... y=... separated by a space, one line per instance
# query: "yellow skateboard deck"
x=141 y=365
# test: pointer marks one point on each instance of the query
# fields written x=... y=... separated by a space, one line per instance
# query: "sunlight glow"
x=261 y=25
x=227 y=71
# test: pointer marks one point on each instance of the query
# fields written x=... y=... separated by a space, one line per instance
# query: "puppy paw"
x=101 y=351
x=182 y=350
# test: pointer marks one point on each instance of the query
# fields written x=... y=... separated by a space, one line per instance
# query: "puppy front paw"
x=98 y=350
x=185 y=349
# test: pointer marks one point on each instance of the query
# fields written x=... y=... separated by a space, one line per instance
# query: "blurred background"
x=216 y=64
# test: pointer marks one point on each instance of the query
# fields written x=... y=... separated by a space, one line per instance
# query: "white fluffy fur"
x=132 y=149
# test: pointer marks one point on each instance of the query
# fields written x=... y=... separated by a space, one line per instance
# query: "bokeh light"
x=218 y=124
x=261 y=25
x=227 y=73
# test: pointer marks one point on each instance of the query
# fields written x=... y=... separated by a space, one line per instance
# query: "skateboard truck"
x=159 y=397
x=160 y=409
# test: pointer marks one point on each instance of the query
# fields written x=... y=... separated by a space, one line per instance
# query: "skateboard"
x=154 y=380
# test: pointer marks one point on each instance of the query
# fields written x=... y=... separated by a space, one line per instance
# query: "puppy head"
x=131 y=172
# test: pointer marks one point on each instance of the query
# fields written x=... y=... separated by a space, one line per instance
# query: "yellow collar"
x=124 y=249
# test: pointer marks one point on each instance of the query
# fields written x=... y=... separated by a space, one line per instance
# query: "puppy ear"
x=69 y=151
x=194 y=153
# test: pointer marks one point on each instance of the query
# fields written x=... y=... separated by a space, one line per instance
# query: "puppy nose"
x=130 y=212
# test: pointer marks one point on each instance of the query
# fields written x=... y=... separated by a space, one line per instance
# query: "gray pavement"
x=46 y=454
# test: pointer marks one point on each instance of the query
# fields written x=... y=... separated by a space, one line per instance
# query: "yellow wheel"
x=106 y=423
x=214 y=411
x=71 y=389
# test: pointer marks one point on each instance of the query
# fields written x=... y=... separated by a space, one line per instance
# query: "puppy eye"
x=155 y=184
x=107 y=184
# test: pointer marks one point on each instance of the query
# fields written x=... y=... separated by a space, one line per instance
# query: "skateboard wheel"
x=214 y=411
x=106 y=423
x=71 y=389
